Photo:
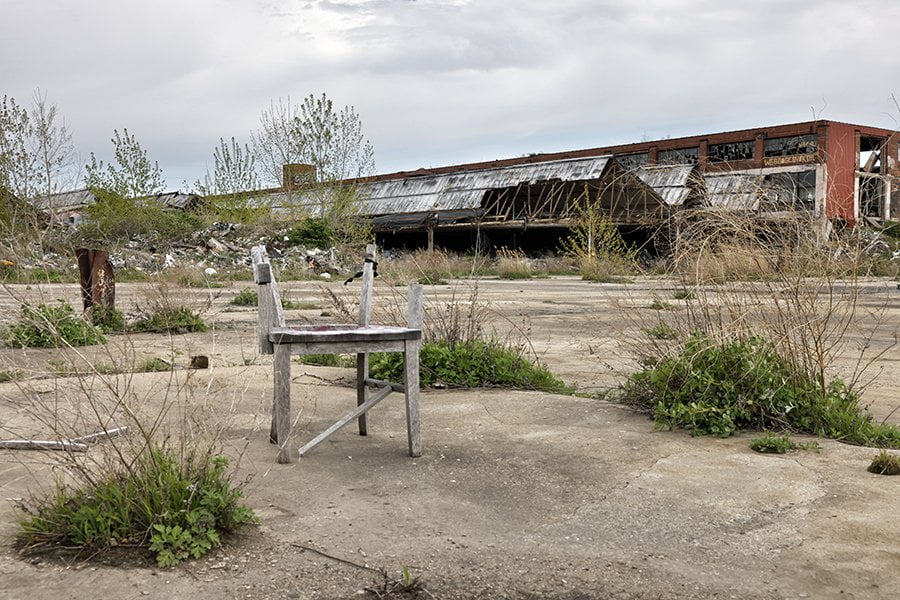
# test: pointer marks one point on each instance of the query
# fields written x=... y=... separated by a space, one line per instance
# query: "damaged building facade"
x=824 y=171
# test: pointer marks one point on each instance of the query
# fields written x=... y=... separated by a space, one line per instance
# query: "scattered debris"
x=77 y=444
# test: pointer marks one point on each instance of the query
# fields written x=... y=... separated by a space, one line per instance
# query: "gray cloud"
x=440 y=81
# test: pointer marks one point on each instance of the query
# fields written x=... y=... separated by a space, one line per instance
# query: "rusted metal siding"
x=840 y=152
x=466 y=189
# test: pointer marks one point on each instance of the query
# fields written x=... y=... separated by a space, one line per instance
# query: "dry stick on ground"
x=389 y=584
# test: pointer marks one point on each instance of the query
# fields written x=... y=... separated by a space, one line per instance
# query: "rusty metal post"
x=98 y=282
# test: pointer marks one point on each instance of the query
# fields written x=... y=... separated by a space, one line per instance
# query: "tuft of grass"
x=885 y=463
x=250 y=297
x=661 y=331
x=246 y=297
x=108 y=319
x=684 y=295
x=780 y=444
x=713 y=388
x=10 y=375
x=658 y=304
x=327 y=360
x=430 y=280
x=176 y=507
x=47 y=326
x=154 y=364
x=470 y=364
x=170 y=319
x=512 y=264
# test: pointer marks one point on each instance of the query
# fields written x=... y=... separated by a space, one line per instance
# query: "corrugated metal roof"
x=465 y=189
x=733 y=192
x=65 y=201
x=177 y=200
x=671 y=182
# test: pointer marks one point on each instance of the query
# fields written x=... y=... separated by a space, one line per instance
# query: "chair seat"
x=341 y=334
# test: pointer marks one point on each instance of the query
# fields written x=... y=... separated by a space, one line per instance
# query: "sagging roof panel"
x=65 y=201
x=671 y=182
x=465 y=190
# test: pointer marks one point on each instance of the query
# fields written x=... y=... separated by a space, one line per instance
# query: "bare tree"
x=313 y=133
x=234 y=171
x=132 y=176
x=53 y=149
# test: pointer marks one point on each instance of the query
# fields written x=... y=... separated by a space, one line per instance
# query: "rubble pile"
x=221 y=248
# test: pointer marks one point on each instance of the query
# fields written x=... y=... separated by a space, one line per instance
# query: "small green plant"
x=47 y=326
x=684 y=295
x=154 y=364
x=431 y=280
x=470 y=364
x=772 y=444
x=327 y=360
x=885 y=463
x=173 y=319
x=10 y=375
x=108 y=319
x=175 y=506
x=662 y=331
x=311 y=232
x=713 y=388
x=658 y=304
x=246 y=297
x=59 y=367
x=250 y=297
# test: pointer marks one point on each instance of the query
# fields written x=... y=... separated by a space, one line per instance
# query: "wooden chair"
x=275 y=337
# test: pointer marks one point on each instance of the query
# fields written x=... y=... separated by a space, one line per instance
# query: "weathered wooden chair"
x=275 y=337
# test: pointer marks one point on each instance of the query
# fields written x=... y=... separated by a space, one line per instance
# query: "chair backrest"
x=271 y=313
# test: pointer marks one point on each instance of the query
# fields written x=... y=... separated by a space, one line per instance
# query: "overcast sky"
x=441 y=82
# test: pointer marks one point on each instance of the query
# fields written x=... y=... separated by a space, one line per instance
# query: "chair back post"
x=271 y=313
x=415 y=306
x=368 y=282
x=365 y=316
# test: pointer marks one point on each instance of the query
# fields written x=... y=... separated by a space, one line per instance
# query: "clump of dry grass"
x=803 y=300
x=429 y=267
x=513 y=264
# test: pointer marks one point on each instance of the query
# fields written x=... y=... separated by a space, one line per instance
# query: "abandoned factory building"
x=824 y=171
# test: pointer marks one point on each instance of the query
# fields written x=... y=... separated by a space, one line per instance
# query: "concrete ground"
x=518 y=495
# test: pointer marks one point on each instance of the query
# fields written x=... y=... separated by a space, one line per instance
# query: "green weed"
x=174 y=506
x=684 y=295
x=109 y=320
x=718 y=389
x=470 y=364
x=172 y=319
x=658 y=304
x=155 y=364
x=885 y=464
x=661 y=331
x=780 y=444
x=47 y=326
x=10 y=375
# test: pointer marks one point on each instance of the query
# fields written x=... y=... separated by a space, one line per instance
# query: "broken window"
x=632 y=161
x=790 y=146
x=871 y=184
x=789 y=191
x=730 y=152
x=680 y=156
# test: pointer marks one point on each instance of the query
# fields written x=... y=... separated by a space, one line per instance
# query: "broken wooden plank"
x=65 y=445
x=105 y=434
x=361 y=409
